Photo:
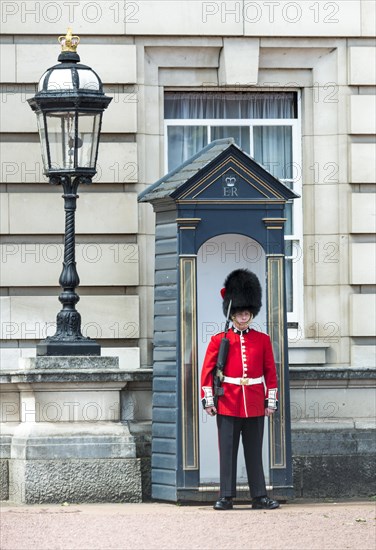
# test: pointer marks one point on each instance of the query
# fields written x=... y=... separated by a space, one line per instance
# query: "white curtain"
x=273 y=149
x=230 y=105
x=184 y=142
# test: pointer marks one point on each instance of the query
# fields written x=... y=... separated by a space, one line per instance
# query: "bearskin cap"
x=243 y=288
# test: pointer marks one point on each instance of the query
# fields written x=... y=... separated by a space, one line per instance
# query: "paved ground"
x=149 y=526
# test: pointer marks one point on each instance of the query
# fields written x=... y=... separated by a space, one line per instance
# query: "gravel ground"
x=159 y=526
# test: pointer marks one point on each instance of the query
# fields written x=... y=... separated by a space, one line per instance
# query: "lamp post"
x=69 y=106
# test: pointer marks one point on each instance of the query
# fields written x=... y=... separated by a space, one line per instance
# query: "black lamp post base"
x=75 y=347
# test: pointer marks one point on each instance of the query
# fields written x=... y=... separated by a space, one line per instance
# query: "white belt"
x=244 y=381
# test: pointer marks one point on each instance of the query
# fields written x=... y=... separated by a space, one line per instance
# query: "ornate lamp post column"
x=69 y=106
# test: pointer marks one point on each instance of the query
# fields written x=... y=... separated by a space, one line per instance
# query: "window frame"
x=296 y=316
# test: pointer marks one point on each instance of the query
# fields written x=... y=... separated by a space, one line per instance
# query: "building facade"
x=293 y=82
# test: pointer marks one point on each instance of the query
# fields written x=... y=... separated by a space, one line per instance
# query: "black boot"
x=224 y=503
x=264 y=503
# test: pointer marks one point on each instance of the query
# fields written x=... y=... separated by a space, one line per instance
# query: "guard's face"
x=242 y=319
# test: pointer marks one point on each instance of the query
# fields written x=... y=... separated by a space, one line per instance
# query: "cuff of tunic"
x=208 y=399
x=272 y=402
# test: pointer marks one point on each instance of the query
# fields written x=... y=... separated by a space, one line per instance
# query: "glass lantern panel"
x=60 y=139
x=60 y=80
x=43 y=141
x=41 y=81
x=88 y=80
x=88 y=135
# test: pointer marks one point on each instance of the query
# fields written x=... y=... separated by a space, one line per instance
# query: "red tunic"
x=250 y=356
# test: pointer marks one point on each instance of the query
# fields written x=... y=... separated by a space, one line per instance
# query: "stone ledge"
x=332 y=373
x=307 y=352
x=338 y=441
x=78 y=447
x=326 y=425
x=307 y=343
x=72 y=362
x=322 y=426
x=72 y=376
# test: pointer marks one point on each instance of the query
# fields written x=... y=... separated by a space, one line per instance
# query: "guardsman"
x=249 y=384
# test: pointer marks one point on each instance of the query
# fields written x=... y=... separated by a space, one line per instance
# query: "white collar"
x=241 y=332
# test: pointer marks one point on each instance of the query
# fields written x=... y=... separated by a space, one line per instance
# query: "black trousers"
x=252 y=431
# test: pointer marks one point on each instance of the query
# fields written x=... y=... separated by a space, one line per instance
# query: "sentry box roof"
x=221 y=171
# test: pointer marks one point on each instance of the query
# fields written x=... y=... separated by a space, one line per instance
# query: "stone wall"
x=333 y=432
x=323 y=50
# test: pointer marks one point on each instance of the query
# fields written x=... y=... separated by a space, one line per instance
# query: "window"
x=266 y=126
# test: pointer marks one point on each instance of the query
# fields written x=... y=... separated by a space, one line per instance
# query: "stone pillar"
x=71 y=443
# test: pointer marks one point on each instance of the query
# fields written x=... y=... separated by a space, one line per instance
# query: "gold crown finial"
x=69 y=42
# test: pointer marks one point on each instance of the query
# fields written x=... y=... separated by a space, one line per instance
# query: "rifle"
x=221 y=361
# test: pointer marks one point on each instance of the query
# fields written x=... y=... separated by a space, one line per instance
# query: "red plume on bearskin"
x=244 y=289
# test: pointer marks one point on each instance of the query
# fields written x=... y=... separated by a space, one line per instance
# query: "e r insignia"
x=229 y=186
